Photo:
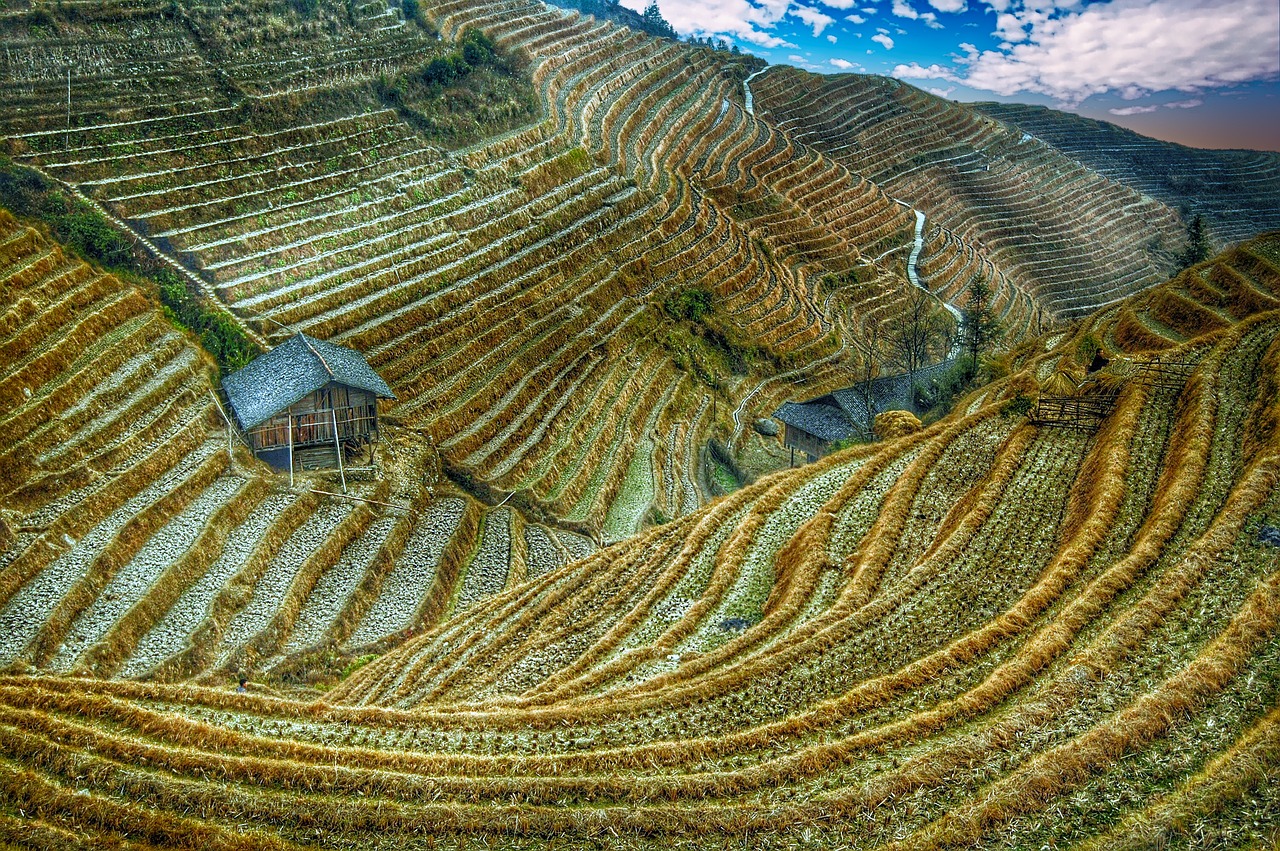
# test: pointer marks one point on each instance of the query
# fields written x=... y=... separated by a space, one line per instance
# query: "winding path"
x=746 y=88
x=917 y=247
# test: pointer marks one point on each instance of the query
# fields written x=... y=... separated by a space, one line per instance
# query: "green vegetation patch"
x=468 y=94
x=706 y=342
x=87 y=234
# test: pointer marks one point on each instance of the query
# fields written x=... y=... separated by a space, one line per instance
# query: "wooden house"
x=307 y=403
x=811 y=427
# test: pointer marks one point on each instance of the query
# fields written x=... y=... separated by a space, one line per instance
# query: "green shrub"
x=219 y=334
x=89 y=235
x=693 y=303
x=1020 y=405
x=357 y=663
x=444 y=70
x=93 y=236
x=1087 y=349
x=478 y=49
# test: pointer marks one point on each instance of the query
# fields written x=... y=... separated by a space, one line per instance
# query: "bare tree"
x=870 y=369
x=916 y=331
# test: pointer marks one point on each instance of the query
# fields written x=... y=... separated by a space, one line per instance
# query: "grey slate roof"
x=824 y=421
x=837 y=415
x=287 y=373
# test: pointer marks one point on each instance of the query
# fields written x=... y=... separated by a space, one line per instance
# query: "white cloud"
x=950 y=5
x=831 y=39
x=1184 y=104
x=1133 y=110
x=840 y=4
x=1127 y=47
x=881 y=38
x=904 y=9
x=741 y=19
x=942 y=93
x=804 y=62
x=855 y=19
x=764 y=39
x=843 y=64
x=811 y=16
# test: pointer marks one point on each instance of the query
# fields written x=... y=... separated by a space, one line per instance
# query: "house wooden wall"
x=802 y=441
x=356 y=412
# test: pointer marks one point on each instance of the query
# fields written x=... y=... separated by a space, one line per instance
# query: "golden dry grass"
x=983 y=633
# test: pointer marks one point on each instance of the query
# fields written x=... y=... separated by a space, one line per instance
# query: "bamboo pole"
x=337 y=445
x=230 y=428
x=289 y=414
x=362 y=499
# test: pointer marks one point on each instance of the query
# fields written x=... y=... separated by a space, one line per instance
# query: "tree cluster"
x=474 y=51
x=917 y=332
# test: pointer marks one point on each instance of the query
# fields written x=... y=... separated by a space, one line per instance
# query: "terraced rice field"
x=988 y=633
x=1235 y=191
x=318 y=208
x=136 y=545
x=977 y=179
x=999 y=631
x=254 y=152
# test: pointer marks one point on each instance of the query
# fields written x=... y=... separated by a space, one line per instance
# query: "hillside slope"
x=509 y=265
x=990 y=633
x=997 y=202
x=1235 y=191
x=136 y=542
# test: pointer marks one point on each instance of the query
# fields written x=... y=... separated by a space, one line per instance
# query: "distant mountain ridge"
x=1236 y=191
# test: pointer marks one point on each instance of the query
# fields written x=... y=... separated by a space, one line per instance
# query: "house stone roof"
x=290 y=371
x=840 y=413
x=823 y=421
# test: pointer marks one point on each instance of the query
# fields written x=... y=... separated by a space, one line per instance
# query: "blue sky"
x=1200 y=72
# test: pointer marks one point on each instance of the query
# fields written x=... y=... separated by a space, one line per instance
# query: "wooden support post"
x=227 y=420
x=337 y=445
x=290 y=421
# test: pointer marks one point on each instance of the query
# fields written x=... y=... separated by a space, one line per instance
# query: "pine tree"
x=655 y=23
x=1198 y=247
x=981 y=327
